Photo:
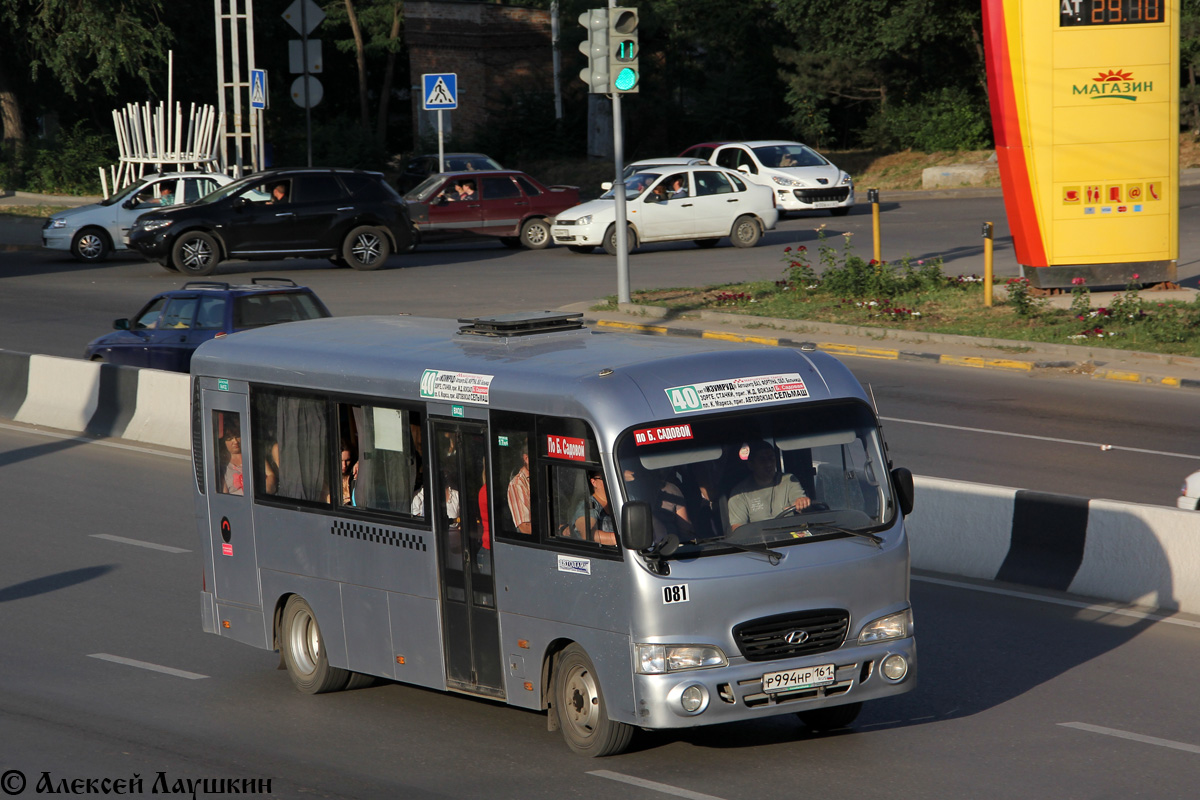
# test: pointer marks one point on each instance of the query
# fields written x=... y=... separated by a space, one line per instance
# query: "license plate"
x=825 y=204
x=561 y=232
x=804 y=678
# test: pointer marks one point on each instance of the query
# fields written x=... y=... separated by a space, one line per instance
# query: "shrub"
x=949 y=119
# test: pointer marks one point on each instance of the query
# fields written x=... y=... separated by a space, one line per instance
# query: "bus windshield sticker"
x=578 y=566
x=670 y=433
x=736 y=392
x=675 y=594
x=567 y=447
x=457 y=387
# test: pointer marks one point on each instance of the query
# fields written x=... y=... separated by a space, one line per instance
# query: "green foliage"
x=69 y=164
x=1021 y=298
x=947 y=119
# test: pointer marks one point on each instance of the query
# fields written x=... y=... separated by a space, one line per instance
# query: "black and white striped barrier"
x=1125 y=552
x=96 y=399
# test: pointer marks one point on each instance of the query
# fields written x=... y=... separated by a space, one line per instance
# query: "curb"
x=1087 y=367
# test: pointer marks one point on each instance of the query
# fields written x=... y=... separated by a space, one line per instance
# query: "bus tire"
x=830 y=718
x=582 y=713
x=304 y=651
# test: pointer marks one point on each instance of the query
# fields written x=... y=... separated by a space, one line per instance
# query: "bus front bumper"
x=735 y=692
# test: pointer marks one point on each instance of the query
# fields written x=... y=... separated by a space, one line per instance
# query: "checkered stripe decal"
x=370 y=533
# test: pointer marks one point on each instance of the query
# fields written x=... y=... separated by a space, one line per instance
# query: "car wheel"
x=582 y=713
x=195 y=253
x=511 y=242
x=707 y=243
x=91 y=245
x=582 y=249
x=840 y=212
x=831 y=718
x=366 y=248
x=535 y=234
x=304 y=651
x=610 y=240
x=746 y=231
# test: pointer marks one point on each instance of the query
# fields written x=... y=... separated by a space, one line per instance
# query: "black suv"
x=351 y=217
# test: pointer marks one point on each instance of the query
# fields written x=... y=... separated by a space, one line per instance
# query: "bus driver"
x=766 y=492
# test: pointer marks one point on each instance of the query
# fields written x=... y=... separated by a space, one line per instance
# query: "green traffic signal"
x=626 y=80
x=623 y=49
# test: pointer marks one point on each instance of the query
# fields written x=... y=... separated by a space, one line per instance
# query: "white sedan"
x=1189 y=494
x=699 y=203
x=802 y=178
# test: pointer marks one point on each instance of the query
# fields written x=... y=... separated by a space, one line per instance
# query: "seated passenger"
x=766 y=492
x=595 y=514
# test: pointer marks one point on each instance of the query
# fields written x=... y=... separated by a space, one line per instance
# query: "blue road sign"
x=440 y=90
x=258 y=88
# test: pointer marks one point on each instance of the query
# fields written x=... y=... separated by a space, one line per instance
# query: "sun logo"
x=1114 y=75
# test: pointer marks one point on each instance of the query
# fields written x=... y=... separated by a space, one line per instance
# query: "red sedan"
x=506 y=204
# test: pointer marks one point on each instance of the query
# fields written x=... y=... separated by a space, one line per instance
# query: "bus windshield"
x=767 y=478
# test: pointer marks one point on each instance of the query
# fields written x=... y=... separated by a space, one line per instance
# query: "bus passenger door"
x=228 y=483
x=470 y=624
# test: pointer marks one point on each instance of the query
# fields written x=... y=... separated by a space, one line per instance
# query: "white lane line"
x=652 y=786
x=139 y=543
x=1112 y=447
x=87 y=440
x=1133 y=737
x=129 y=662
x=1062 y=601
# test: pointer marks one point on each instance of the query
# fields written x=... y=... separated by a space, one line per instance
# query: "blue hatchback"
x=165 y=333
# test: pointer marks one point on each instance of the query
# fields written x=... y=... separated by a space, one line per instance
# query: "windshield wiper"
x=876 y=540
x=773 y=556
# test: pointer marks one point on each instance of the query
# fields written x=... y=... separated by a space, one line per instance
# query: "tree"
x=81 y=44
x=375 y=27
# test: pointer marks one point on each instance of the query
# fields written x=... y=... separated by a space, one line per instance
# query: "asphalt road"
x=106 y=674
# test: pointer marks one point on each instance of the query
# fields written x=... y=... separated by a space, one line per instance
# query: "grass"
x=917 y=296
x=31 y=211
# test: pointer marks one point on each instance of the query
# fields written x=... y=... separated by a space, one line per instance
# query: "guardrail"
x=1124 y=552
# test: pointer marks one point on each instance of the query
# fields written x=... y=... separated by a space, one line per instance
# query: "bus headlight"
x=657 y=659
x=893 y=626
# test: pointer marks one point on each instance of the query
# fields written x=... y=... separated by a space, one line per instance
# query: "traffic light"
x=596 y=73
x=623 y=47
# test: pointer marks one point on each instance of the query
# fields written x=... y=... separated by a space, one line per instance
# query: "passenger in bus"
x=595 y=515
x=231 y=477
x=518 y=495
x=766 y=492
x=452 y=504
x=349 y=473
x=667 y=505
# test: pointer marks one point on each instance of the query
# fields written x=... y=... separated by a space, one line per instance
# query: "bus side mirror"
x=902 y=481
x=637 y=525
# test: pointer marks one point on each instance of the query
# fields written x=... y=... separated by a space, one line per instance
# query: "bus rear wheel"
x=304 y=651
x=582 y=713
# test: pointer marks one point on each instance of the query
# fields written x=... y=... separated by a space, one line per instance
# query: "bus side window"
x=580 y=507
x=515 y=495
x=386 y=464
x=227 y=446
x=291 y=443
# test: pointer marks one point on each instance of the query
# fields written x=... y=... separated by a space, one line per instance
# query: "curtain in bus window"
x=303 y=449
x=388 y=462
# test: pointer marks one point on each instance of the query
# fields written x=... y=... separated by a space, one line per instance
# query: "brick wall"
x=493 y=49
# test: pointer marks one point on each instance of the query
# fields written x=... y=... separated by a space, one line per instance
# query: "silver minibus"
x=626 y=532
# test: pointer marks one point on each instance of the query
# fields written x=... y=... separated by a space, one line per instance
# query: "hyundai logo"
x=796 y=637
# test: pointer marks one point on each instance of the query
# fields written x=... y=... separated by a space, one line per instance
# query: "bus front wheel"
x=581 y=710
x=304 y=651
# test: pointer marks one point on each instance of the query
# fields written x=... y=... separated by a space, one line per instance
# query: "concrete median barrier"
x=163 y=413
x=62 y=393
x=1124 y=552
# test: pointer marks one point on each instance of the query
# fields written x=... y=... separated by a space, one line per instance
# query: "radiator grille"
x=816 y=631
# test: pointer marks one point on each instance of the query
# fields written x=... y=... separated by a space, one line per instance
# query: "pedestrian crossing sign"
x=440 y=90
x=258 y=88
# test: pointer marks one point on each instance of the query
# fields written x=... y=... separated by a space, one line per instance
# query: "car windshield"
x=635 y=185
x=127 y=192
x=789 y=155
x=257 y=310
x=425 y=189
x=460 y=163
x=732 y=481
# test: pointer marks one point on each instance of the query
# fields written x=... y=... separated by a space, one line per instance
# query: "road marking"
x=87 y=440
x=139 y=543
x=129 y=662
x=1133 y=737
x=652 y=786
x=1043 y=438
x=1062 y=601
